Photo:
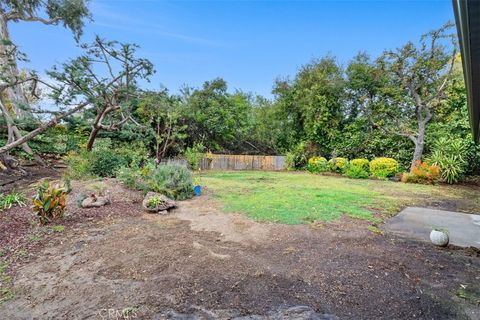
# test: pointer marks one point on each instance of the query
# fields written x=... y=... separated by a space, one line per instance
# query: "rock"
x=94 y=201
x=439 y=238
x=163 y=205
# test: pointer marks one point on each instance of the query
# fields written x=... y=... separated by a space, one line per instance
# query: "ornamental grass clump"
x=449 y=155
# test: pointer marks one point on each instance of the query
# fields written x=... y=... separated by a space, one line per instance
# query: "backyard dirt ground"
x=199 y=263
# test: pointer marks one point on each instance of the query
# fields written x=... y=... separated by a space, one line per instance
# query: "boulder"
x=94 y=201
x=163 y=203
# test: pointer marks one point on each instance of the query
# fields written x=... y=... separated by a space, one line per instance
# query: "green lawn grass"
x=296 y=198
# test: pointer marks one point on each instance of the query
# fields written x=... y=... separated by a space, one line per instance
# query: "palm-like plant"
x=449 y=156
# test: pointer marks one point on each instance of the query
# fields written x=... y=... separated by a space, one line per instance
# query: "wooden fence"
x=243 y=162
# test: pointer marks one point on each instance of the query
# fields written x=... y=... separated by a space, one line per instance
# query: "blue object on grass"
x=197 y=190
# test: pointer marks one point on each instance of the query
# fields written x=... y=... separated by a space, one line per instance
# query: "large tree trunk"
x=42 y=128
x=14 y=95
x=419 y=140
x=97 y=125
x=91 y=138
x=419 y=146
x=15 y=134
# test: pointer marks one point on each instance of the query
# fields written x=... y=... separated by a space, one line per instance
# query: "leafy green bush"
x=357 y=172
x=134 y=154
x=296 y=158
x=129 y=177
x=384 y=167
x=134 y=177
x=361 y=163
x=317 y=164
x=449 y=155
x=106 y=162
x=174 y=181
x=79 y=165
x=194 y=155
x=339 y=165
x=101 y=162
x=49 y=202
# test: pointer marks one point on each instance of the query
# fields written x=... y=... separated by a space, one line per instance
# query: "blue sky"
x=248 y=43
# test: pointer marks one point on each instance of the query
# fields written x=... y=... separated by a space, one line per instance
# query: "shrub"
x=135 y=177
x=174 y=181
x=49 y=202
x=361 y=163
x=103 y=161
x=129 y=177
x=194 y=155
x=384 y=167
x=106 y=162
x=296 y=158
x=422 y=172
x=134 y=154
x=338 y=164
x=317 y=164
x=448 y=155
x=356 y=172
x=79 y=165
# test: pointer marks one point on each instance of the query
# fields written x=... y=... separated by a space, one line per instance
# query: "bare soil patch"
x=199 y=263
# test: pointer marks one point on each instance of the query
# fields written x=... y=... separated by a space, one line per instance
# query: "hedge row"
x=356 y=168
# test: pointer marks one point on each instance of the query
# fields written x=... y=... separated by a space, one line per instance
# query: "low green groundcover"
x=296 y=198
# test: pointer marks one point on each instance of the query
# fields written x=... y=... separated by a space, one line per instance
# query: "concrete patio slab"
x=463 y=229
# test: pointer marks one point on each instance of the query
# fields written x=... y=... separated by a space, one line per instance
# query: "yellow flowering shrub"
x=384 y=167
x=317 y=164
x=338 y=164
x=361 y=163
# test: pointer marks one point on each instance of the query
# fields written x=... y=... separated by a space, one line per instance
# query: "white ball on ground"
x=439 y=238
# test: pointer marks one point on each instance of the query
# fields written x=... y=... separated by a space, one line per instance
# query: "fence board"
x=243 y=162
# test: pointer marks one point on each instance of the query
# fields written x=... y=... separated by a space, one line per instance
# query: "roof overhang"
x=467 y=17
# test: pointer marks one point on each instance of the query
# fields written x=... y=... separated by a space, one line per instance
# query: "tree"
x=423 y=73
x=312 y=104
x=161 y=112
x=266 y=127
x=216 y=117
x=106 y=76
x=51 y=12
x=369 y=95
x=14 y=101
